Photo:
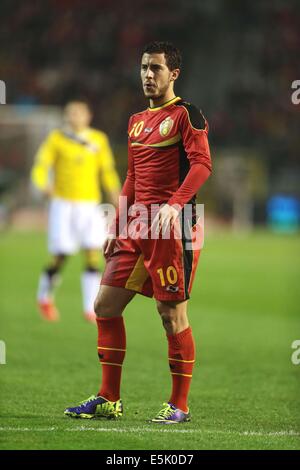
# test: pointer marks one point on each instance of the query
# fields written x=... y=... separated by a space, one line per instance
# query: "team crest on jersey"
x=166 y=126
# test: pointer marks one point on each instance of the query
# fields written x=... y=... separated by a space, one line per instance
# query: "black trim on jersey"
x=186 y=222
x=184 y=168
x=196 y=117
x=184 y=163
x=188 y=257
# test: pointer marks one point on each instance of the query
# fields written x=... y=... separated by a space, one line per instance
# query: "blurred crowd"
x=240 y=59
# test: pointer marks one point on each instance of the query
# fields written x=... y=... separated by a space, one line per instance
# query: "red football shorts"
x=163 y=268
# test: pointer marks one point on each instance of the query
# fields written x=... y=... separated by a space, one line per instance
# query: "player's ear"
x=174 y=74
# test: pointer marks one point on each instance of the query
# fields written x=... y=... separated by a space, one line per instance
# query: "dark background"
x=239 y=61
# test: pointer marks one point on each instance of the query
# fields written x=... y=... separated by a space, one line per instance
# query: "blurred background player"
x=71 y=166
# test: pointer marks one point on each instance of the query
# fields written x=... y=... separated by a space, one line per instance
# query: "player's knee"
x=103 y=308
x=168 y=314
x=170 y=323
x=174 y=319
x=99 y=307
x=167 y=321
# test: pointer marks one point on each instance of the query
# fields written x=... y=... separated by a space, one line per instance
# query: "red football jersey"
x=168 y=154
x=168 y=161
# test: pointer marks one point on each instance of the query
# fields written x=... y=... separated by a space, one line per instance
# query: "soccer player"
x=168 y=161
x=69 y=167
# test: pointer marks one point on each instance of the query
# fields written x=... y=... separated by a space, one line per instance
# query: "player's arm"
x=128 y=190
x=43 y=163
x=194 y=131
x=109 y=176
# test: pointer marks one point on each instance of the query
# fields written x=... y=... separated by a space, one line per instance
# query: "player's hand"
x=164 y=219
x=108 y=247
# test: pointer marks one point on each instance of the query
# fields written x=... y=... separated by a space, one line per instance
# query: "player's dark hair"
x=172 y=53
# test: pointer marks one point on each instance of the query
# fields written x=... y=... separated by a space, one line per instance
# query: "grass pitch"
x=245 y=391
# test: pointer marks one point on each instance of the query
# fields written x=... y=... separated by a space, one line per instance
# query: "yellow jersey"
x=81 y=163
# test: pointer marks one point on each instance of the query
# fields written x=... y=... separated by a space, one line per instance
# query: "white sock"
x=90 y=283
x=46 y=286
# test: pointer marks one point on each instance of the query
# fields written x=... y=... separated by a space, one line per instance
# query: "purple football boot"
x=96 y=407
x=171 y=415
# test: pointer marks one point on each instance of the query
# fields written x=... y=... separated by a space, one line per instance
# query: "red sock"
x=181 y=361
x=111 y=352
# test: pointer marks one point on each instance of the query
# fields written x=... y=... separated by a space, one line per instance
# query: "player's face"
x=156 y=77
x=77 y=115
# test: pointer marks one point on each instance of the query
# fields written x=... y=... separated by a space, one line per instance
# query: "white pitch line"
x=137 y=430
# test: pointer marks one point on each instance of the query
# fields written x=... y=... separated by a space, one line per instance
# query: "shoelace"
x=107 y=406
x=166 y=412
x=88 y=400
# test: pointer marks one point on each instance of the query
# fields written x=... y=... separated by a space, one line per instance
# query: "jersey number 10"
x=171 y=275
